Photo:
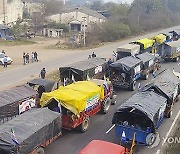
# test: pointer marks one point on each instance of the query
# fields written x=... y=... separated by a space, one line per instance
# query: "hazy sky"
x=116 y=1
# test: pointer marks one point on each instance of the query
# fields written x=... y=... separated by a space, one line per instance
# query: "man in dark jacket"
x=43 y=73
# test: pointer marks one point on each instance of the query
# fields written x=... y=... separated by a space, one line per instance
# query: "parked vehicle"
x=171 y=51
x=30 y=132
x=142 y=114
x=146 y=44
x=148 y=64
x=167 y=85
x=2 y=56
x=16 y=101
x=78 y=102
x=127 y=50
x=89 y=68
x=124 y=72
x=175 y=34
x=103 y=147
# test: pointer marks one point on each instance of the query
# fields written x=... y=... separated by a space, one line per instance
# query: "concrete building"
x=10 y=11
x=78 y=18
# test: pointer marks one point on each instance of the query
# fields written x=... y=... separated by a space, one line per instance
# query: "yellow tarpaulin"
x=160 y=38
x=74 y=96
x=146 y=42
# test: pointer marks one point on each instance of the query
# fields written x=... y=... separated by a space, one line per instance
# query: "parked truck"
x=171 y=51
x=125 y=71
x=78 y=102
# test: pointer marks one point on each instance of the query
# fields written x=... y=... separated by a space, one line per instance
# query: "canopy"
x=126 y=64
x=10 y=99
x=160 y=38
x=148 y=103
x=133 y=48
x=145 y=42
x=74 y=96
x=31 y=129
x=102 y=147
x=82 y=68
x=166 y=84
x=145 y=57
x=47 y=84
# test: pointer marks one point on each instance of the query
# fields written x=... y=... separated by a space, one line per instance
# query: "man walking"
x=43 y=73
x=32 y=57
x=5 y=61
x=35 y=56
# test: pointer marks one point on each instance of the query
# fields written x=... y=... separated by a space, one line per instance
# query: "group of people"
x=26 y=57
x=92 y=56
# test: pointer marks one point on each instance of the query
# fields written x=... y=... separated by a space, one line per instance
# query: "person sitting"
x=93 y=55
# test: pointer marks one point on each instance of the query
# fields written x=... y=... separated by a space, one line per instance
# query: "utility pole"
x=84 y=29
x=4 y=12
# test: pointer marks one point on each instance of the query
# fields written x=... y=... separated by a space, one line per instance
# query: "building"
x=10 y=11
x=78 y=18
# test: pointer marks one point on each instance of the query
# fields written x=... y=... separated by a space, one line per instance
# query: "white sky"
x=116 y=1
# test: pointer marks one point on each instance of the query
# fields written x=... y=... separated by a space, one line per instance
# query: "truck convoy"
x=144 y=112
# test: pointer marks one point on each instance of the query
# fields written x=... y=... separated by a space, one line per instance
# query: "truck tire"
x=40 y=150
x=169 y=114
x=133 y=86
x=176 y=59
x=106 y=105
x=150 y=139
x=146 y=76
x=113 y=100
x=83 y=127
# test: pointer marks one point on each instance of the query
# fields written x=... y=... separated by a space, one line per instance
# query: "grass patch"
x=175 y=147
x=16 y=42
x=53 y=76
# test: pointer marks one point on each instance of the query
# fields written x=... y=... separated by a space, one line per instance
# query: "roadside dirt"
x=16 y=52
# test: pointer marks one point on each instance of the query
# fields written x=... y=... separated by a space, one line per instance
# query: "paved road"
x=72 y=141
x=22 y=73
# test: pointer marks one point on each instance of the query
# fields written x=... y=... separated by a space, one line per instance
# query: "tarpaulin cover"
x=132 y=48
x=145 y=57
x=160 y=38
x=9 y=99
x=102 y=147
x=74 y=96
x=31 y=129
x=172 y=47
x=47 y=84
x=145 y=42
x=147 y=102
x=166 y=84
x=126 y=63
x=82 y=68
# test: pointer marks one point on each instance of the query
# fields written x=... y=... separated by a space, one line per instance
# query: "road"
x=17 y=75
x=72 y=141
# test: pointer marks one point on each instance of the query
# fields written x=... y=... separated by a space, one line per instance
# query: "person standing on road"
x=93 y=55
x=27 y=58
x=35 y=56
x=43 y=73
x=5 y=61
x=32 y=57
x=24 y=58
x=3 y=51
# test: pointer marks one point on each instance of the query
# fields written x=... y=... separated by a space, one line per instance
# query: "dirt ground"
x=16 y=52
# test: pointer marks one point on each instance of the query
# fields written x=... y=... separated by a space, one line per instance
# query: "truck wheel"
x=169 y=114
x=133 y=86
x=150 y=139
x=40 y=150
x=146 y=76
x=106 y=105
x=113 y=100
x=85 y=125
x=176 y=59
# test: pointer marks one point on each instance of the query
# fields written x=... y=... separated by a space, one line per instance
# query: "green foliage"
x=55 y=25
